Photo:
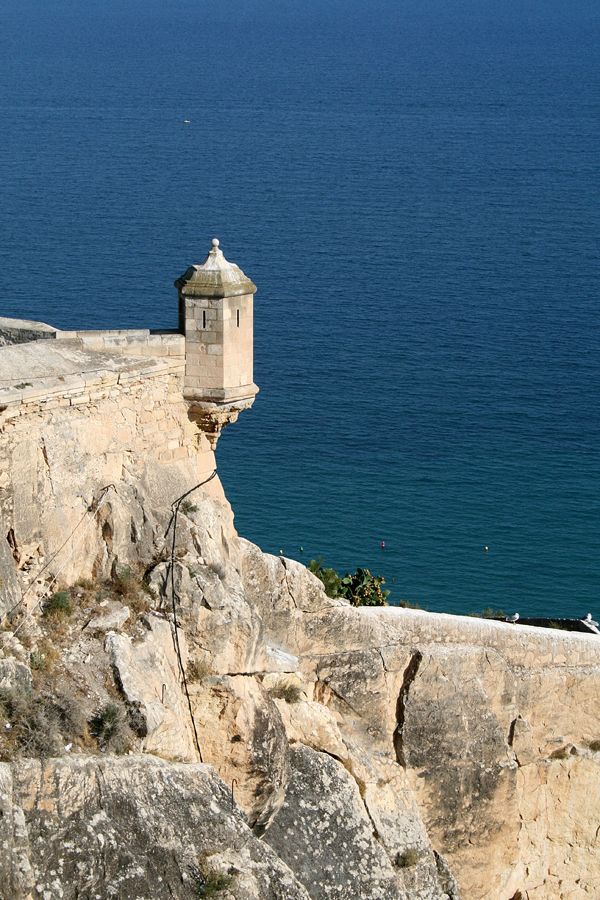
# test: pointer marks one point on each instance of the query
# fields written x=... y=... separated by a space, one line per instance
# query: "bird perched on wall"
x=514 y=618
x=589 y=621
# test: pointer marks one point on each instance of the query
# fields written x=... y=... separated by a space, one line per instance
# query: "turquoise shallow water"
x=413 y=187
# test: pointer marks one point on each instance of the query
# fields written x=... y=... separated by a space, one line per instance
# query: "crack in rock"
x=410 y=673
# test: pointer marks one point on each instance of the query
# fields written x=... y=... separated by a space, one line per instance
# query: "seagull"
x=514 y=618
x=589 y=621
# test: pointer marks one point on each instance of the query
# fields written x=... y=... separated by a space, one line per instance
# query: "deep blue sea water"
x=413 y=185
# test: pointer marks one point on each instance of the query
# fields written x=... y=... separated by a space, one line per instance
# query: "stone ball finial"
x=215 y=243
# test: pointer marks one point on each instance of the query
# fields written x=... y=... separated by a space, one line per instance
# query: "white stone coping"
x=160 y=343
x=40 y=370
x=28 y=326
x=524 y=645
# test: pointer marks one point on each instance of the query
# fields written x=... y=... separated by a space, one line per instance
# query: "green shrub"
x=364 y=589
x=187 y=507
x=360 y=588
x=110 y=728
x=44 y=658
x=37 y=661
x=286 y=690
x=329 y=577
x=58 y=606
x=406 y=604
x=408 y=858
x=210 y=882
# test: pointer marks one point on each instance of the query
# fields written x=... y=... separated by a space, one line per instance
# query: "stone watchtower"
x=216 y=317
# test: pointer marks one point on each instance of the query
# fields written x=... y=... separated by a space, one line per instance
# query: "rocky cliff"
x=182 y=715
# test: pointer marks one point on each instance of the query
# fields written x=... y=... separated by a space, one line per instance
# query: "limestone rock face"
x=243 y=737
x=10 y=590
x=455 y=733
x=111 y=617
x=129 y=828
x=377 y=753
x=148 y=674
x=324 y=835
x=14 y=674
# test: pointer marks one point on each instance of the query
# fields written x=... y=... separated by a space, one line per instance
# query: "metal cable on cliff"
x=175 y=512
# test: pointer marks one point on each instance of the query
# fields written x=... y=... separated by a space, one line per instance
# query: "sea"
x=413 y=186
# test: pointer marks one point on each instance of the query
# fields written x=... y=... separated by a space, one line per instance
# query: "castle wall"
x=65 y=436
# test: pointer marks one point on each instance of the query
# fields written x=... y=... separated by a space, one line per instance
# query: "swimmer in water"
x=382 y=545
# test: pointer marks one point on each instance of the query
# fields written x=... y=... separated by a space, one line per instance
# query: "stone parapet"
x=75 y=367
x=138 y=342
x=21 y=331
x=522 y=646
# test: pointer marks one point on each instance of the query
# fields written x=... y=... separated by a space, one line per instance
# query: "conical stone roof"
x=215 y=278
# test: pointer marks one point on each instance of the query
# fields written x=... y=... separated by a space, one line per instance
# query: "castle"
x=76 y=407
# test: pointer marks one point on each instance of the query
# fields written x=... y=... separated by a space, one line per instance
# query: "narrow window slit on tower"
x=203 y=319
x=238 y=318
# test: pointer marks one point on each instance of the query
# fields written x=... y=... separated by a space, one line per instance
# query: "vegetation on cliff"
x=360 y=588
x=48 y=704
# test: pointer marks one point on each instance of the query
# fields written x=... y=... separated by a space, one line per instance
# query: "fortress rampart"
x=75 y=414
x=83 y=409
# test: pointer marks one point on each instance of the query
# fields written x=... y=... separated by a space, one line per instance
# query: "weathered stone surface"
x=314 y=725
x=17 y=878
x=243 y=737
x=111 y=617
x=77 y=420
x=148 y=674
x=461 y=705
x=20 y=331
x=256 y=877
x=10 y=591
x=14 y=674
x=134 y=829
x=323 y=833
